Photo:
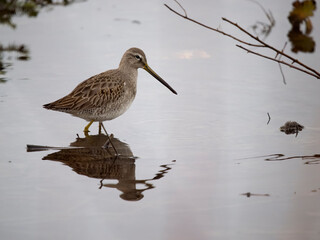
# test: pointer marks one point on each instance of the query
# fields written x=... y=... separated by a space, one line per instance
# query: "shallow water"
x=200 y=165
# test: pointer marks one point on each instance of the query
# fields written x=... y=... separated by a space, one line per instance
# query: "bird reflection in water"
x=87 y=157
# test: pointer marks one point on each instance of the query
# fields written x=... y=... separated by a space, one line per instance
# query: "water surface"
x=192 y=158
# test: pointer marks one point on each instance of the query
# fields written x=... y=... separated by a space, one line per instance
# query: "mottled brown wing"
x=94 y=92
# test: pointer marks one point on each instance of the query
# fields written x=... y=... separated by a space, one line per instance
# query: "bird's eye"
x=138 y=57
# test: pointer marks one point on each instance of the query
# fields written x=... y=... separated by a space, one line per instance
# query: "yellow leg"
x=86 y=129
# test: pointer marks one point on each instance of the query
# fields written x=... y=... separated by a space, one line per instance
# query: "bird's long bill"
x=149 y=70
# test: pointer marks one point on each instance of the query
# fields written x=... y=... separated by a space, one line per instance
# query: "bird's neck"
x=131 y=72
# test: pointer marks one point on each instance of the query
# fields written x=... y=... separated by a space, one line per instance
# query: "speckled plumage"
x=107 y=95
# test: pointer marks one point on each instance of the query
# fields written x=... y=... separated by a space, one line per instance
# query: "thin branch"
x=213 y=29
x=304 y=68
x=278 y=61
x=280 y=67
x=281 y=71
x=285 y=44
x=185 y=12
x=294 y=60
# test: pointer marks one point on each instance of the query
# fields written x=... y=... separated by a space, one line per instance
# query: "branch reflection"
x=307 y=159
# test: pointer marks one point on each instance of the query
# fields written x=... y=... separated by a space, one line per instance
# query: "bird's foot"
x=86 y=133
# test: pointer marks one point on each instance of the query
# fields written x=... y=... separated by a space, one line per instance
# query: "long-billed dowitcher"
x=109 y=94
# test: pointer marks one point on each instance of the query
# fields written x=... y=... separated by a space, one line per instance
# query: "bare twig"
x=280 y=67
x=301 y=66
x=185 y=12
x=294 y=60
x=282 y=74
x=213 y=29
x=278 y=61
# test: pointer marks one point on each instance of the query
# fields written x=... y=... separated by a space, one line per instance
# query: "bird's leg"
x=86 y=129
x=108 y=141
x=100 y=127
x=106 y=144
